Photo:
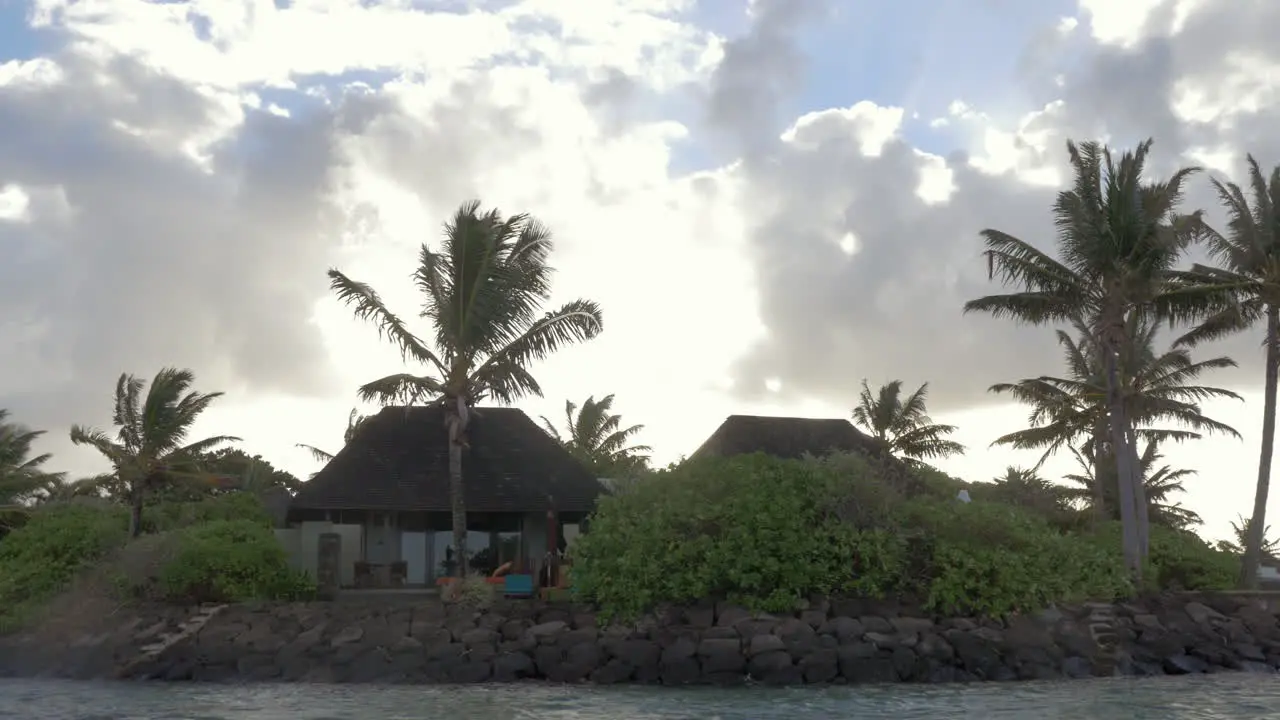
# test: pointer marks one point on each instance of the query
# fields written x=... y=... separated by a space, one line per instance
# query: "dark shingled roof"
x=787 y=437
x=399 y=460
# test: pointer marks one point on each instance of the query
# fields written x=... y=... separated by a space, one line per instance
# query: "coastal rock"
x=357 y=640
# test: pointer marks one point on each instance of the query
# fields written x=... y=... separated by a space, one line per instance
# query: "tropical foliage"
x=827 y=516
x=482 y=292
x=150 y=449
x=1120 y=237
x=354 y=421
x=903 y=423
x=594 y=434
x=22 y=474
x=1243 y=291
x=1160 y=483
x=1240 y=533
x=1157 y=390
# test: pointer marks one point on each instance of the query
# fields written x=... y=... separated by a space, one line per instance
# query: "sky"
x=771 y=200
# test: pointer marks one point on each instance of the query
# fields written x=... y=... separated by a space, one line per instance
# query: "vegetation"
x=1241 y=294
x=595 y=435
x=1120 y=236
x=767 y=533
x=216 y=549
x=1240 y=530
x=481 y=295
x=903 y=424
x=150 y=450
x=354 y=421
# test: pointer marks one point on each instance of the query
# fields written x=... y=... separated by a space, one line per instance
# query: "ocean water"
x=1208 y=697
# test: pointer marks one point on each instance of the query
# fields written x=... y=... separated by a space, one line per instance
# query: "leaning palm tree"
x=1156 y=389
x=903 y=424
x=1242 y=293
x=21 y=472
x=1119 y=239
x=354 y=421
x=595 y=435
x=481 y=294
x=1159 y=483
x=22 y=477
x=150 y=448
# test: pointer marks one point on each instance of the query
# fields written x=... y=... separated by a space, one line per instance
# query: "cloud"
x=892 y=307
x=165 y=225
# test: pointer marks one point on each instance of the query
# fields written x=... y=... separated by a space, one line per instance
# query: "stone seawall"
x=837 y=641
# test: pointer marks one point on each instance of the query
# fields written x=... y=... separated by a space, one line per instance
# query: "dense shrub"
x=766 y=532
x=38 y=560
x=754 y=529
x=231 y=561
x=176 y=515
x=1178 y=560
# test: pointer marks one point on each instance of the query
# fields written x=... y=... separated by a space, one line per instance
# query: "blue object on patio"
x=518 y=586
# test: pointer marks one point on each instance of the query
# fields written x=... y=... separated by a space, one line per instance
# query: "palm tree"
x=1159 y=485
x=21 y=474
x=1119 y=238
x=1242 y=293
x=1156 y=389
x=481 y=295
x=1240 y=529
x=1027 y=488
x=904 y=425
x=150 y=448
x=354 y=421
x=594 y=435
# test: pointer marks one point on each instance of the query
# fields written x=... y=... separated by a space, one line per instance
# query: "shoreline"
x=832 y=642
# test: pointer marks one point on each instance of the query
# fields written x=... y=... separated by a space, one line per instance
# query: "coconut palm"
x=1241 y=531
x=481 y=295
x=1027 y=488
x=150 y=449
x=594 y=435
x=22 y=477
x=1160 y=483
x=1156 y=389
x=1241 y=294
x=1119 y=238
x=21 y=473
x=354 y=421
x=903 y=424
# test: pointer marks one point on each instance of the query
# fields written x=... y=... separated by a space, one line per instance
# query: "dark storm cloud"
x=893 y=309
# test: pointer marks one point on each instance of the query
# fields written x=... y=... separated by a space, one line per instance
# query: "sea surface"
x=1209 y=697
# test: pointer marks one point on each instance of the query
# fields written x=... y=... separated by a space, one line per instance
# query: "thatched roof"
x=399 y=460
x=787 y=437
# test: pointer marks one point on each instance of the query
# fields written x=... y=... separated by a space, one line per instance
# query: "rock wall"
x=837 y=641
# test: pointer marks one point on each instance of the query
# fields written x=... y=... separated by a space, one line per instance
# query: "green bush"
x=231 y=561
x=990 y=559
x=1178 y=560
x=171 y=515
x=756 y=530
x=765 y=532
x=38 y=560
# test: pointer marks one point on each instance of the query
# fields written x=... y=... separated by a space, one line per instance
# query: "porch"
x=414 y=549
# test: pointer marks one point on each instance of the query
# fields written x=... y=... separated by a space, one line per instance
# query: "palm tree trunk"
x=135 y=510
x=458 y=508
x=456 y=417
x=1257 y=524
x=1128 y=513
x=1139 y=487
x=1100 y=510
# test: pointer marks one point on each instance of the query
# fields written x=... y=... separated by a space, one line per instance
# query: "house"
x=387 y=495
x=790 y=438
